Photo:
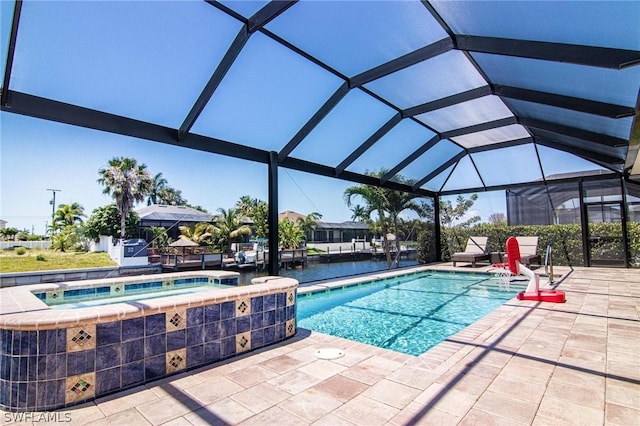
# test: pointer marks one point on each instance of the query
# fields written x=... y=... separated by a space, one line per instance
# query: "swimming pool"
x=104 y=292
x=408 y=314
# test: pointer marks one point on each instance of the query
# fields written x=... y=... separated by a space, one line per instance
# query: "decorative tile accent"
x=243 y=342
x=78 y=364
x=167 y=284
x=81 y=338
x=79 y=388
x=176 y=360
x=291 y=298
x=54 y=296
x=117 y=290
x=290 y=329
x=243 y=307
x=176 y=320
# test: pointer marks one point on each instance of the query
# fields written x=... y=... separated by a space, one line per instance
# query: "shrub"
x=20 y=251
x=566 y=240
x=40 y=258
x=426 y=245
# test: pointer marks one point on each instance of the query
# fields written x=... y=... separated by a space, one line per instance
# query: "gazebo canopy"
x=438 y=97
x=183 y=241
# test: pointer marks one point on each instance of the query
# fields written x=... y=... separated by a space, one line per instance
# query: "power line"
x=315 y=208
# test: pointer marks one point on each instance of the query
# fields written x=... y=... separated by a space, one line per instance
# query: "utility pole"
x=53 y=206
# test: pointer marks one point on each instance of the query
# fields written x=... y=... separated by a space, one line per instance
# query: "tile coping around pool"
x=20 y=309
x=323 y=286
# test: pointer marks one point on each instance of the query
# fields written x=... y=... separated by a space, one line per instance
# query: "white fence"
x=116 y=253
x=4 y=245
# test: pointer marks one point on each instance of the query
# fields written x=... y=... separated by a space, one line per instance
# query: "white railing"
x=340 y=247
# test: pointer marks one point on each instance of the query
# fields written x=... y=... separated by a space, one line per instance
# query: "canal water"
x=315 y=271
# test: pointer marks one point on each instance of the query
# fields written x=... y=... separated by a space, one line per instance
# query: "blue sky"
x=38 y=155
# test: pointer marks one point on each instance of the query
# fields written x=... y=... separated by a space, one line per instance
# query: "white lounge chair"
x=475 y=251
x=529 y=251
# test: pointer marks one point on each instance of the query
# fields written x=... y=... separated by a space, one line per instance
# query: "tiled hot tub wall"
x=45 y=369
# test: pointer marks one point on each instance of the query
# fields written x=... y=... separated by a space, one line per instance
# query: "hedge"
x=566 y=240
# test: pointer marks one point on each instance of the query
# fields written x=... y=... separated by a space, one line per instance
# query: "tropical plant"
x=22 y=235
x=399 y=202
x=289 y=234
x=9 y=233
x=450 y=215
x=258 y=211
x=171 y=196
x=375 y=202
x=229 y=228
x=65 y=240
x=451 y=218
x=308 y=223
x=67 y=215
x=127 y=182
x=388 y=204
x=360 y=213
x=161 y=239
x=158 y=183
x=426 y=250
x=106 y=220
x=200 y=233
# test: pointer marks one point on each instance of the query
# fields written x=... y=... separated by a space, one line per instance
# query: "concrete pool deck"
x=524 y=363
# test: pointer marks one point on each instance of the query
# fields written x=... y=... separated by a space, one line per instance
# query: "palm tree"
x=229 y=227
x=309 y=223
x=258 y=211
x=68 y=215
x=246 y=204
x=127 y=182
x=389 y=204
x=199 y=233
x=360 y=214
x=375 y=200
x=398 y=202
x=158 y=183
x=171 y=196
x=9 y=233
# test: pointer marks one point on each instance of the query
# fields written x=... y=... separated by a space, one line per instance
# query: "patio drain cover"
x=329 y=353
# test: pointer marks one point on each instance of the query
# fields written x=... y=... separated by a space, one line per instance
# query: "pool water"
x=131 y=297
x=108 y=293
x=315 y=271
x=408 y=314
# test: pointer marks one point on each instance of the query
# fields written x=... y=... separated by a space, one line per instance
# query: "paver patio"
x=576 y=363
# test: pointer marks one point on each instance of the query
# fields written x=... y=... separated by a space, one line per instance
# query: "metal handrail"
x=548 y=263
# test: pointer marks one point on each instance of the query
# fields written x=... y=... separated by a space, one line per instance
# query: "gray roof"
x=342 y=225
x=161 y=212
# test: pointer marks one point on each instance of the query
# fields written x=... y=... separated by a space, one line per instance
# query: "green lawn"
x=10 y=261
x=315 y=251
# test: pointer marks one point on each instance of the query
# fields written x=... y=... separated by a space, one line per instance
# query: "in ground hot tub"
x=62 y=344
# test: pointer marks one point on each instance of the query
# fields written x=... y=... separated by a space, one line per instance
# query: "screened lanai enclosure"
x=536 y=100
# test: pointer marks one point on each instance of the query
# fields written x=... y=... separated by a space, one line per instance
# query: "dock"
x=179 y=262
